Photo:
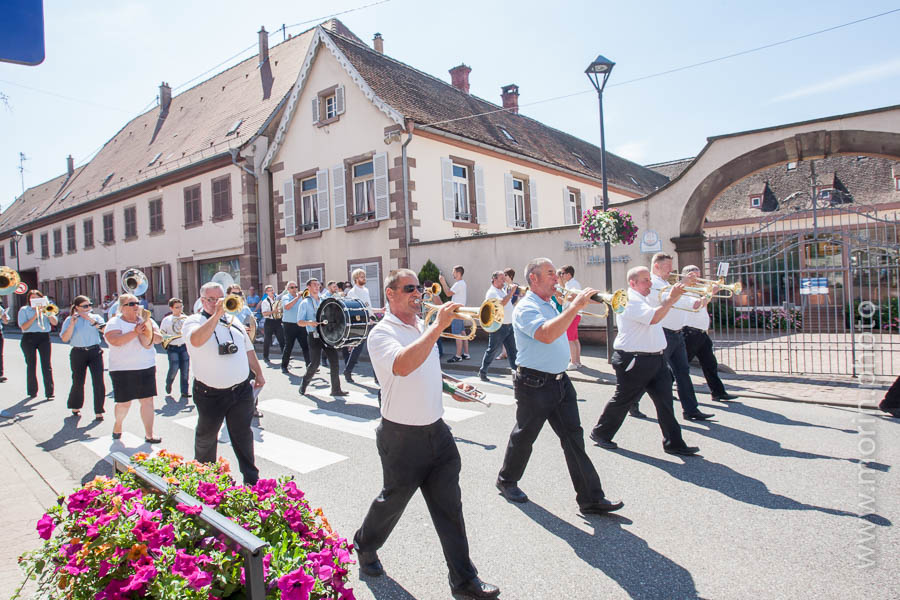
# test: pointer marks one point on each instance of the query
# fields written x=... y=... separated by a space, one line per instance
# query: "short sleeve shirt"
x=500 y=294
x=85 y=334
x=131 y=356
x=211 y=368
x=291 y=315
x=636 y=334
x=532 y=312
x=39 y=325
x=460 y=291
x=308 y=308
x=674 y=320
x=168 y=328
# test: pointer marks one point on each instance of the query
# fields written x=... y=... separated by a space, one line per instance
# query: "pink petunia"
x=296 y=585
x=189 y=510
x=45 y=527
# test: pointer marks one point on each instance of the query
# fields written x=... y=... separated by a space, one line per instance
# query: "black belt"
x=642 y=353
x=672 y=330
x=205 y=387
x=536 y=373
x=697 y=329
x=85 y=347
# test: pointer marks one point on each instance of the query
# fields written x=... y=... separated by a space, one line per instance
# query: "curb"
x=51 y=473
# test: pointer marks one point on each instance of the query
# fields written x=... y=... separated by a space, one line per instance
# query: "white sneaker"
x=572 y=367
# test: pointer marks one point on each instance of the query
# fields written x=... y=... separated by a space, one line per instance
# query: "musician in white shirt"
x=504 y=336
x=271 y=322
x=179 y=361
x=360 y=292
x=640 y=365
x=457 y=293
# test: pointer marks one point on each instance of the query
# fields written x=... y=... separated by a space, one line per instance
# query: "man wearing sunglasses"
x=417 y=449
x=290 y=300
x=308 y=309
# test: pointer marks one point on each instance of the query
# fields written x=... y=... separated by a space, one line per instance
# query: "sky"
x=105 y=61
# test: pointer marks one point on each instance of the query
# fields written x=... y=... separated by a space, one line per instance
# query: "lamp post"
x=598 y=72
x=17 y=236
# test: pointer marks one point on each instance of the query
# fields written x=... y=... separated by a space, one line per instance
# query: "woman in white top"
x=176 y=350
x=132 y=364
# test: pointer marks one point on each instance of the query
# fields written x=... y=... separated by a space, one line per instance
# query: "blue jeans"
x=502 y=338
x=178 y=360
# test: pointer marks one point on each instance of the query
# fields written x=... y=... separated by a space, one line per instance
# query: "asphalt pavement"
x=771 y=508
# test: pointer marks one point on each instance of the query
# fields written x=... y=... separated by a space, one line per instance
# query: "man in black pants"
x=4 y=320
x=271 y=321
x=308 y=308
x=544 y=392
x=417 y=449
x=891 y=402
x=290 y=300
x=698 y=343
x=223 y=361
x=640 y=366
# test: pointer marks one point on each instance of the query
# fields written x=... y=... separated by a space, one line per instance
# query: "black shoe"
x=257 y=414
x=348 y=378
x=284 y=370
x=454 y=359
x=303 y=386
x=483 y=376
x=117 y=436
x=369 y=564
x=683 y=451
x=602 y=506
x=894 y=412
x=603 y=442
x=2 y=379
x=340 y=393
x=168 y=389
x=465 y=357
x=637 y=414
x=725 y=396
x=511 y=492
x=476 y=588
x=153 y=440
x=698 y=416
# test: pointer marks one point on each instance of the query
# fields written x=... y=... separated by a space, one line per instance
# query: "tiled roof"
x=672 y=168
x=427 y=100
x=867 y=180
x=196 y=128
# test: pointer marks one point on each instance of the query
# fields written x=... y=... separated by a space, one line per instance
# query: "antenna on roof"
x=22 y=159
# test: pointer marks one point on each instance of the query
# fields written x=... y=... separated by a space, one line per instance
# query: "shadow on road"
x=627 y=559
x=385 y=587
x=172 y=407
x=69 y=432
x=21 y=409
x=768 y=416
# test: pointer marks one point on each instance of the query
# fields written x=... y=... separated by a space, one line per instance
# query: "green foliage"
x=430 y=272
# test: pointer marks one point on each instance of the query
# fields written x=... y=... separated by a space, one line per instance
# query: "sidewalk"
x=32 y=481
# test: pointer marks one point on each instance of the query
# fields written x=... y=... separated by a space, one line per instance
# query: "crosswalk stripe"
x=451 y=413
x=128 y=445
x=324 y=418
x=298 y=456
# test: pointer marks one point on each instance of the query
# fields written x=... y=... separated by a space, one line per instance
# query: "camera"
x=226 y=348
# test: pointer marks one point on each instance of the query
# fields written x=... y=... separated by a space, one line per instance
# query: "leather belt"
x=85 y=347
x=215 y=389
x=642 y=353
x=692 y=329
x=535 y=372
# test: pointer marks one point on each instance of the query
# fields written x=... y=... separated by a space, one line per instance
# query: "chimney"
x=263 y=45
x=165 y=98
x=459 y=77
x=70 y=165
x=378 y=43
x=510 y=96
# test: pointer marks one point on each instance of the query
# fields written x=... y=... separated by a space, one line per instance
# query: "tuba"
x=9 y=280
x=134 y=282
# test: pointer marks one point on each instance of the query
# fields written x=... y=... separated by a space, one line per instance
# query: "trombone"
x=489 y=315
x=730 y=289
x=50 y=310
x=617 y=301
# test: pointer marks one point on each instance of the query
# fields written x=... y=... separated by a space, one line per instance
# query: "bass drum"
x=345 y=322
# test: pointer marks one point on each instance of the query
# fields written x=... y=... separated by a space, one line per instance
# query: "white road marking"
x=128 y=445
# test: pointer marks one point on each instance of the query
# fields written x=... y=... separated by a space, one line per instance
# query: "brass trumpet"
x=48 y=310
x=731 y=288
x=464 y=395
x=234 y=303
x=489 y=315
x=431 y=292
x=177 y=324
x=617 y=301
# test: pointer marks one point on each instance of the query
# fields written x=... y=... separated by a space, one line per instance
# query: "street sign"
x=722 y=272
x=21 y=288
x=22 y=32
x=811 y=286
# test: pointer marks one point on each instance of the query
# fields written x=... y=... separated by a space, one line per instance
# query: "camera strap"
x=224 y=322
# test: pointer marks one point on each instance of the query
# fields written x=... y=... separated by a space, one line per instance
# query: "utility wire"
x=49 y=93
x=677 y=69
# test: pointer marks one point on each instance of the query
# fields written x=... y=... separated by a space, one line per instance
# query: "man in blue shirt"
x=290 y=300
x=543 y=391
x=308 y=308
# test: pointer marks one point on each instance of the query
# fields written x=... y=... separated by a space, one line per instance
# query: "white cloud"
x=635 y=151
x=873 y=73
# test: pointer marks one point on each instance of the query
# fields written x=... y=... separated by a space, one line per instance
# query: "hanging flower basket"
x=612 y=226
x=112 y=539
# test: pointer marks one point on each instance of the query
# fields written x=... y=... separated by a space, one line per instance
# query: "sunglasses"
x=84 y=305
x=410 y=288
x=131 y=304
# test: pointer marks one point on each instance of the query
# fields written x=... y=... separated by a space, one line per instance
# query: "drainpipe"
x=410 y=125
x=234 y=154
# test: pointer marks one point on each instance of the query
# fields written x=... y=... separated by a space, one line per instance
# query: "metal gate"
x=820 y=292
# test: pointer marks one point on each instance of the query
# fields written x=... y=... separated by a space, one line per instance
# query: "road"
x=770 y=509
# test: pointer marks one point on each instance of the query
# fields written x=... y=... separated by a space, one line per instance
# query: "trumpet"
x=731 y=288
x=9 y=280
x=305 y=294
x=467 y=395
x=489 y=315
x=617 y=301
x=234 y=303
x=49 y=310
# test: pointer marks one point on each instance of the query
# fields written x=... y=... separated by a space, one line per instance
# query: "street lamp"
x=17 y=235
x=598 y=72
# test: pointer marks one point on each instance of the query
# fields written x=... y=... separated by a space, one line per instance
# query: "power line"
x=71 y=99
x=677 y=69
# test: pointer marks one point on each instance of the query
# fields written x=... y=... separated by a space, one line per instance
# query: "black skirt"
x=131 y=385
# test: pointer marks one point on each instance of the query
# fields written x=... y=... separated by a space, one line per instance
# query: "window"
x=580 y=160
x=88 y=233
x=108 y=229
x=159 y=290
x=156 y=216
x=221 y=195
x=572 y=207
x=70 y=238
x=372 y=267
x=330 y=107
x=518 y=191
x=461 y=193
x=29 y=243
x=756 y=201
x=233 y=129
x=154 y=159
x=307 y=272
x=897 y=183
x=130 y=222
x=307 y=208
x=2 y=254
x=45 y=245
x=792 y=165
x=106 y=181
x=112 y=282
x=508 y=135
x=363 y=191
x=12 y=248
x=57 y=242
x=192 y=214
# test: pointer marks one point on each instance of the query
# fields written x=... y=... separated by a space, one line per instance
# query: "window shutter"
x=372 y=274
x=532 y=192
x=339 y=100
x=315 y=110
x=148 y=271
x=567 y=213
x=510 y=200
x=598 y=201
x=290 y=228
x=339 y=193
x=167 y=278
x=382 y=206
x=322 y=199
x=480 y=200
x=447 y=187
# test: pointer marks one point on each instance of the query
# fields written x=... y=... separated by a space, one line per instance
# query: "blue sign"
x=22 y=32
x=813 y=285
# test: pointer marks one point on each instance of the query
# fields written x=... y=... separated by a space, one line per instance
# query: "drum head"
x=345 y=322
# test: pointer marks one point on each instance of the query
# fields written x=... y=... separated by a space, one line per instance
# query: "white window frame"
x=304 y=275
x=521 y=220
x=572 y=207
x=373 y=276
x=366 y=183
x=330 y=103
x=309 y=209
x=791 y=165
x=897 y=183
x=755 y=201
x=461 y=200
